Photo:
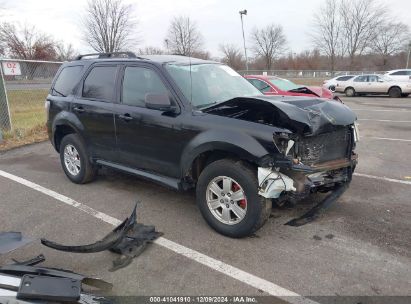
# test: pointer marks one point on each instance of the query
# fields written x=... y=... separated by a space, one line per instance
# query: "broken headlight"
x=283 y=143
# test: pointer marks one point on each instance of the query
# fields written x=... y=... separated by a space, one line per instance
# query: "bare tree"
x=232 y=56
x=359 y=24
x=26 y=42
x=327 y=32
x=269 y=43
x=151 y=50
x=201 y=54
x=390 y=39
x=183 y=37
x=108 y=25
x=65 y=52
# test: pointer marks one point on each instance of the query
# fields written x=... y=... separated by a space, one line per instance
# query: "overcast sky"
x=218 y=20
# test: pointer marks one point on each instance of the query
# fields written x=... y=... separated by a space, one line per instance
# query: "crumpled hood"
x=298 y=114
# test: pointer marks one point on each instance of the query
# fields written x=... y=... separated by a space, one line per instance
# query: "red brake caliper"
x=242 y=203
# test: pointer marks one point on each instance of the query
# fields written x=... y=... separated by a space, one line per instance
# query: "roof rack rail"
x=108 y=55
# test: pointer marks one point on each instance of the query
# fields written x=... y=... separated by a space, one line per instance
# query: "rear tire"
x=350 y=92
x=332 y=88
x=240 y=177
x=394 y=92
x=75 y=160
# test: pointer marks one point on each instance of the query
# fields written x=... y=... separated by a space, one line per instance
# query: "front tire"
x=75 y=161
x=227 y=196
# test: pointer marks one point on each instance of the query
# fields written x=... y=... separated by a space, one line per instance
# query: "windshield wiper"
x=61 y=94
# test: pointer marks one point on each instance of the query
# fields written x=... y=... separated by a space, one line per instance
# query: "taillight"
x=47 y=108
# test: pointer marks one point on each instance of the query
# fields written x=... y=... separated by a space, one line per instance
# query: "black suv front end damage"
x=318 y=163
x=314 y=152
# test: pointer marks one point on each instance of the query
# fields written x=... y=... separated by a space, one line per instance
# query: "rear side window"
x=100 y=83
x=344 y=78
x=360 y=79
x=399 y=73
x=67 y=80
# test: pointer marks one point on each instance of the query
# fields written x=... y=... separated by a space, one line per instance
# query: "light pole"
x=409 y=51
x=166 y=42
x=244 y=12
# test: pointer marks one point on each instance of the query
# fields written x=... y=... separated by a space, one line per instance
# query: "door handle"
x=79 y=109
x=126 y=117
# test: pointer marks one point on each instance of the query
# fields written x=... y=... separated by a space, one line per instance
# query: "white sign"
x=11 y=68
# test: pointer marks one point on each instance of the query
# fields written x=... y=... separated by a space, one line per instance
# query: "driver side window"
x=137 y=83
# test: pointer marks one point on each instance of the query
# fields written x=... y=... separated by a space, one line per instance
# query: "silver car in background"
x=400 y=75
x=374 y=84
x=331 y=84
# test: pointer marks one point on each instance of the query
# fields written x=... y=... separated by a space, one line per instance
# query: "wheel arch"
x=208 y=147
x=395 y=87
x=65 y=123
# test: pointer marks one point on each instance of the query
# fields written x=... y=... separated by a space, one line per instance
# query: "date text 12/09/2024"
x=202 y=299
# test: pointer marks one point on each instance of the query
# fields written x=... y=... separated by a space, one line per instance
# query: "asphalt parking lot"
x=361 y=246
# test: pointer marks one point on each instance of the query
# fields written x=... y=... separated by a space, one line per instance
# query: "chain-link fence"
x=23 y=89
x=305 y=73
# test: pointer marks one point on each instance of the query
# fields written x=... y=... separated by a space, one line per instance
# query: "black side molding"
x=173 y=183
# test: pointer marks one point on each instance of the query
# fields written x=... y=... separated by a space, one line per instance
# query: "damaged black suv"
x=189 y=123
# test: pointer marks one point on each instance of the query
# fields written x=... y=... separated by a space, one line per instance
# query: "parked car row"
x=374 y=84
x=395 y=83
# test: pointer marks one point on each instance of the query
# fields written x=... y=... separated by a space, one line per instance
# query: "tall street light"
x=244 y=12
x=409 y=51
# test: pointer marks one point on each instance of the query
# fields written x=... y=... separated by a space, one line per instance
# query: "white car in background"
x=400 y=75
x=376 y=85
x=332 y=83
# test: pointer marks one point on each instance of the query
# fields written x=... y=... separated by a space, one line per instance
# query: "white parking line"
x=231 y=271
x=383 y=178
x=387 y=138
x=384 y=120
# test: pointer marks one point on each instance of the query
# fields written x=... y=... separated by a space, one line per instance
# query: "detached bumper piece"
x=314 y=212
x=129 y=239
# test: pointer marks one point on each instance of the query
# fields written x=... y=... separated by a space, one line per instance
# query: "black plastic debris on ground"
x=314 y=212
x=129 y=239
x=10 y=241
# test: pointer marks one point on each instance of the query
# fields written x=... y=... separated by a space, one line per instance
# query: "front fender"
x=243 y=145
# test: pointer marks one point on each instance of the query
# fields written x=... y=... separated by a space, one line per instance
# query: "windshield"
x=210 y=84
x=283 y=84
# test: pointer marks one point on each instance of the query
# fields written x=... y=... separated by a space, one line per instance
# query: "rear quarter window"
x=66 y=80
x=399 y=73
x=344 y=78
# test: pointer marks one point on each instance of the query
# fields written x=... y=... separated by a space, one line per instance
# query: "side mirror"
x=160 y=102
